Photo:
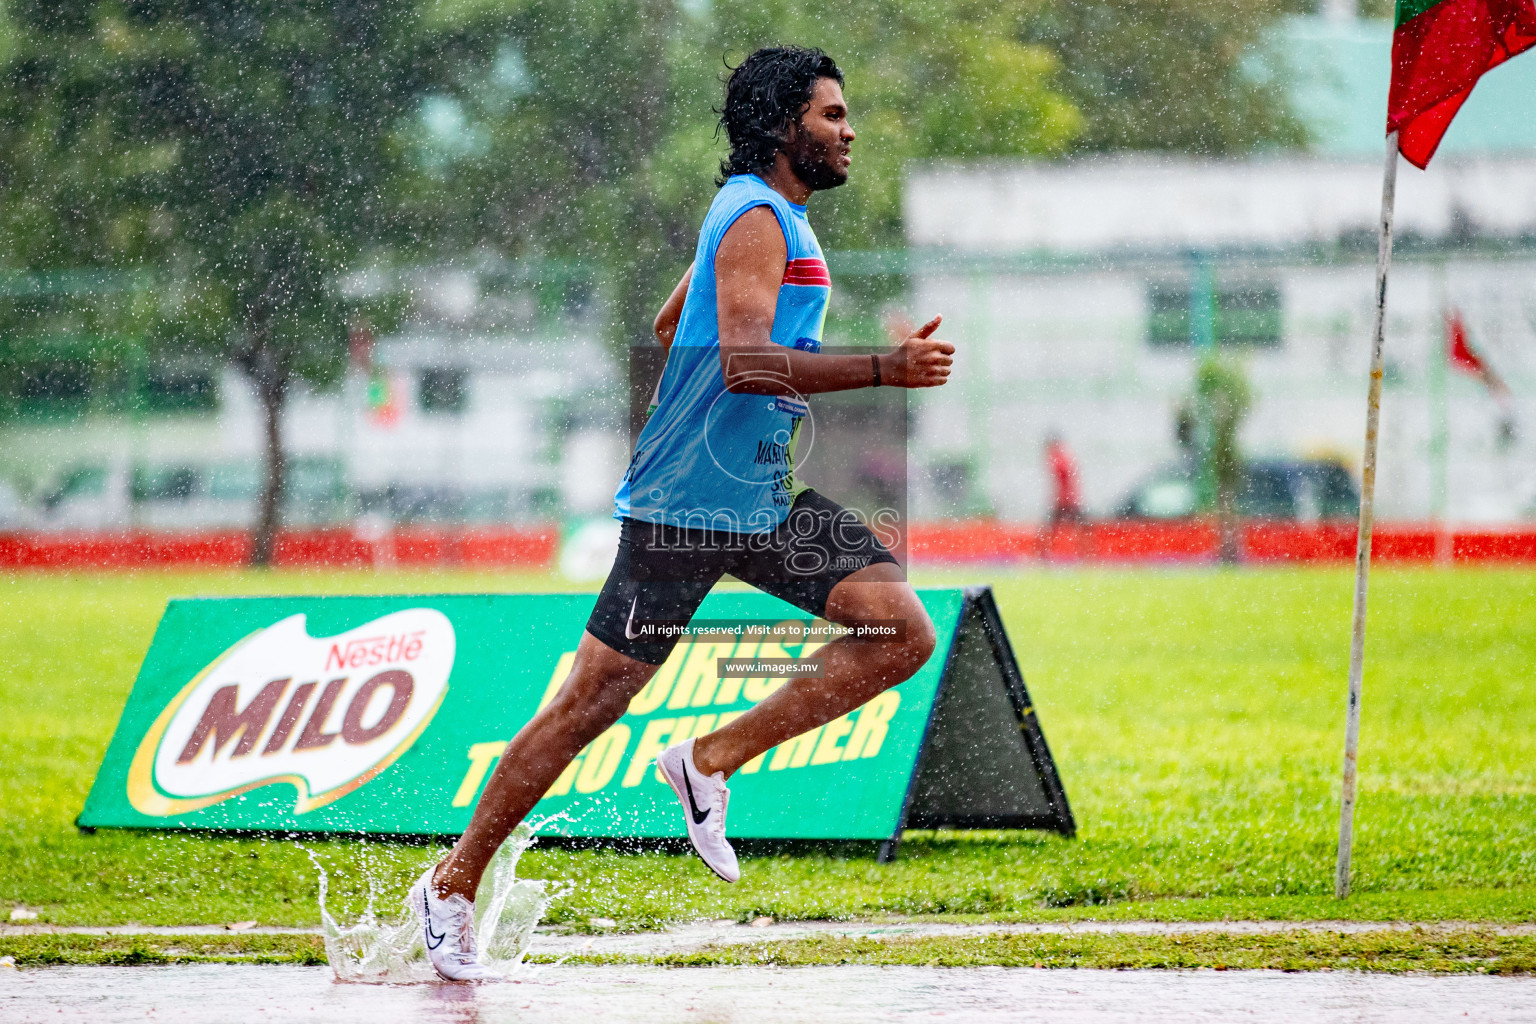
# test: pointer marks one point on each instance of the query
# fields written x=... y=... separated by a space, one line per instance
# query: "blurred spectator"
x=1067 y=503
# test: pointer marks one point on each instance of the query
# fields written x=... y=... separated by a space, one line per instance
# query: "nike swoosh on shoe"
x=693 y=805
x=434 y=939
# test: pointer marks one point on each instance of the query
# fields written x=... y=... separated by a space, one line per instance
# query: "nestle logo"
x=250 y=719
x=374 y=650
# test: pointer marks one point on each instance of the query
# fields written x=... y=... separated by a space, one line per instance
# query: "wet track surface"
x=583 y=995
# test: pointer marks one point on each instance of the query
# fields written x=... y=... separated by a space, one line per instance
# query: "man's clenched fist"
x=920 y=361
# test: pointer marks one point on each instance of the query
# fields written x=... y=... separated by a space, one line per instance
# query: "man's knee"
x=585 y=696
x=913 y=653
x=921 y=640
x=899 y=661
x=888 y=599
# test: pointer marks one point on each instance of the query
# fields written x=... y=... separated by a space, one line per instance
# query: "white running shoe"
x=704 y=799
x=448 y=927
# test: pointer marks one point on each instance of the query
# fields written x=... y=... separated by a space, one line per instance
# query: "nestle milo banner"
x=387 y=715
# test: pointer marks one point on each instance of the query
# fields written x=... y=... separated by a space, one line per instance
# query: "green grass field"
x=1442 y=951
x=1196 y=716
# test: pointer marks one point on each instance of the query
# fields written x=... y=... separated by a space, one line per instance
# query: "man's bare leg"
x=594 y=696
x=855 y=672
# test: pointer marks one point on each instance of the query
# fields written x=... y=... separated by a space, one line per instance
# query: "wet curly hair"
x=765 y=94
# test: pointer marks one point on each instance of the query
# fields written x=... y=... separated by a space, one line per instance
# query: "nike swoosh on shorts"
x=629 y=633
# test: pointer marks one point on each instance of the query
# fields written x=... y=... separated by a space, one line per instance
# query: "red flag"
x=1440 y=48
x=1466 y=359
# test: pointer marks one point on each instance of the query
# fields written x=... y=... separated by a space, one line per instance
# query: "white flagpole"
x=1363 y=538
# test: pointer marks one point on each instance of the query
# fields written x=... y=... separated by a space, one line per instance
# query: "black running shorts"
x=663 y=572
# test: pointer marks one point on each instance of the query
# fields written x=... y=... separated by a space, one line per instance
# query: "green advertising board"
x=387 y=714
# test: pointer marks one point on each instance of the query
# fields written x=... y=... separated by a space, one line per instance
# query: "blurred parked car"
x=84 y=497
x=1299 y=490
x=181 y=496
x=15 y=514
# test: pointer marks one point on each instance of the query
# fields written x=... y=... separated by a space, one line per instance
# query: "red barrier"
x=1401 y=544
x=511 y=547
x=533 y=547
x=1146 y=542
x=121 y=551
x=982 y=540
x=1296 y=542
x=969 y=542
x=985 y=541
x=1490 y=546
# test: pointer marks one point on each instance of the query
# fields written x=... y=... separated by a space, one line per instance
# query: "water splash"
x=389 y=950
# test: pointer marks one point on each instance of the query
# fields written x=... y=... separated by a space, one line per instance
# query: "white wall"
x=543 y=417
x=1154 y=202
x=1067 y=351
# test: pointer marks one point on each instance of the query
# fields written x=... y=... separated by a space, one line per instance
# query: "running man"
x=711 y=490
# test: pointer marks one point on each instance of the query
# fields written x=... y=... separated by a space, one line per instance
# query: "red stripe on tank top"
x=807 y=270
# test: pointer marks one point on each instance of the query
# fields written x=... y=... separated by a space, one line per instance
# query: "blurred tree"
x=1168 y=74
x=243 y=148
x=585 y=129
x=966 y=80
x=558 y=130
x=925 y=79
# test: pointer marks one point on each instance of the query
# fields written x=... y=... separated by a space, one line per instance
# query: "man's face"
x=819 y=142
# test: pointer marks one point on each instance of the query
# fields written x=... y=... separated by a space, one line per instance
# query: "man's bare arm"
x=749 y=267
x=672 y=312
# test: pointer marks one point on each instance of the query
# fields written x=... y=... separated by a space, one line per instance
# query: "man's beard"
x=813 y=163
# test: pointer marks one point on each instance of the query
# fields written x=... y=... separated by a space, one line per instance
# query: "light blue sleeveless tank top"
x=707 y=458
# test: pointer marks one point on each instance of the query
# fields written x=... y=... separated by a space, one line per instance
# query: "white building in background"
x=1063 y=283
x=517 y=429
x=1066 y=287
x=1149 y=203
x=482 y=407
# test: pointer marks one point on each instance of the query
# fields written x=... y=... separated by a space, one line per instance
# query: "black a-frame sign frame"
x=984 y=762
